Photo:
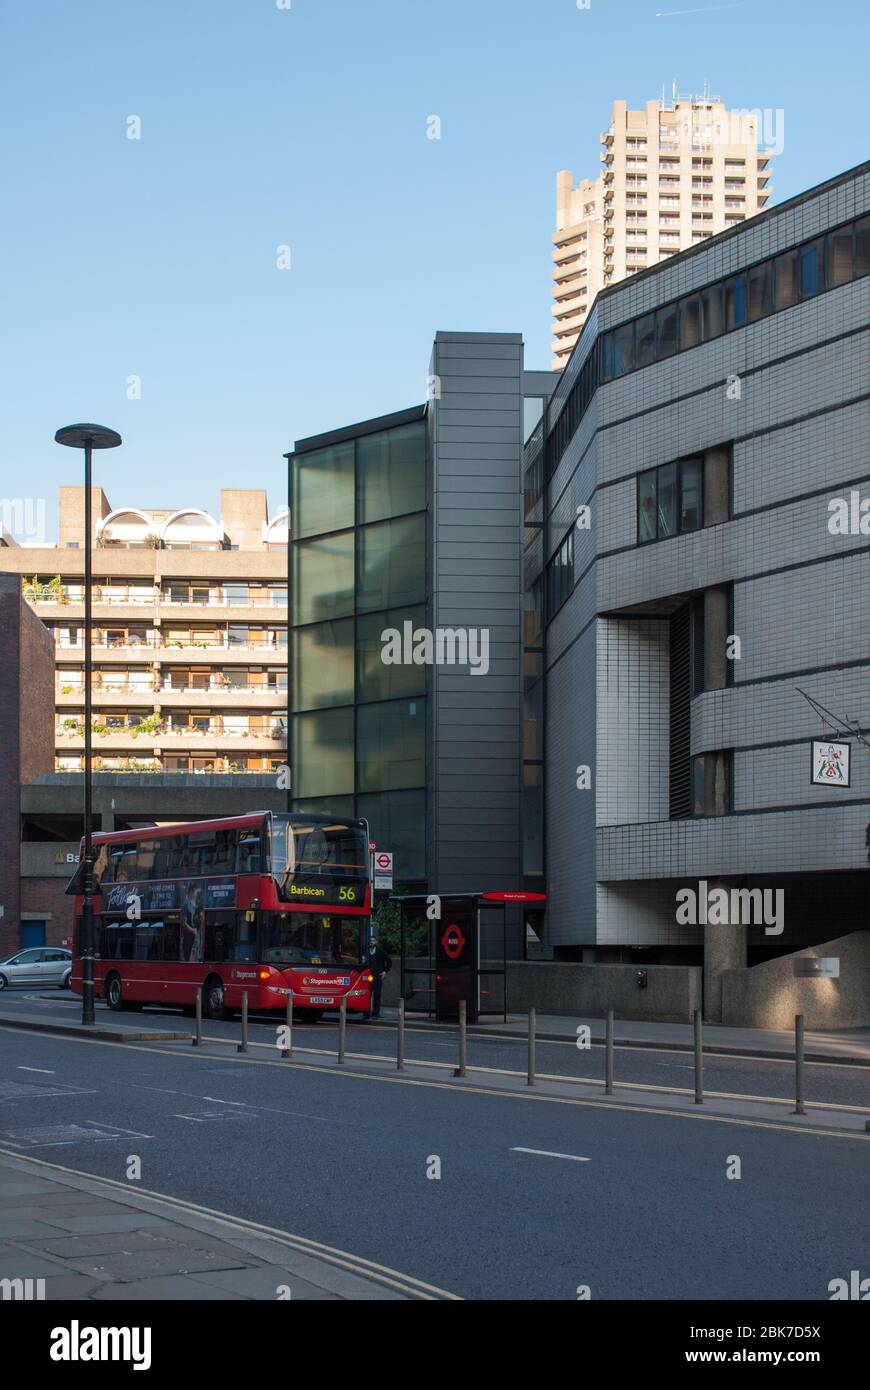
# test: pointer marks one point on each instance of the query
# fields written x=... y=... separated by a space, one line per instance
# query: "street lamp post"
x=88 y=437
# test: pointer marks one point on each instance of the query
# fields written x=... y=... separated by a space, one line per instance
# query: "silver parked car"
x=38 y=965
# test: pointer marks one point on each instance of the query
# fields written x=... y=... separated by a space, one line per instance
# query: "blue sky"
x=306 y=127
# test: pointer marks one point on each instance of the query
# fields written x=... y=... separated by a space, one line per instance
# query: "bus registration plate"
x=321 y=999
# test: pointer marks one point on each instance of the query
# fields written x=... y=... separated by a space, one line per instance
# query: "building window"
x=670 y=500
x=560 y=576
x=711 y=783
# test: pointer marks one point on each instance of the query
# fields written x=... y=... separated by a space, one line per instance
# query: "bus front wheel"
x=213 y=1002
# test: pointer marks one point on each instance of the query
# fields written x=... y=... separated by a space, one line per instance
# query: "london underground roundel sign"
x=453 y=941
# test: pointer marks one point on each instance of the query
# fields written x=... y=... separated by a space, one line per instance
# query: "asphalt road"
x=343 y=1158
x=825 y=1082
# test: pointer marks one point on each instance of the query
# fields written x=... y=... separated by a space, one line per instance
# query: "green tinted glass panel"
x=323 y=665
x=391 y=468
x=397 y=822
x=323 y=578
x=378 y=681
x=322 y=485
x=391 y=745
x=322 y=753
x=392 y=564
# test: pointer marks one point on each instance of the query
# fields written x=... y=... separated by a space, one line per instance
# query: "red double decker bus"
x=257 y=904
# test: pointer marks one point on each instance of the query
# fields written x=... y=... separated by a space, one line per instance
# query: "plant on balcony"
x=66 y=690
x=36 y=588
x=72 y=725
x=152 y=724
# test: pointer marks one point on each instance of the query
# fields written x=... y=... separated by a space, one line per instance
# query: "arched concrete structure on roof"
x=207 y=530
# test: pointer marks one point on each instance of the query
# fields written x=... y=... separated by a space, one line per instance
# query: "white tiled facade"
x=799 y=436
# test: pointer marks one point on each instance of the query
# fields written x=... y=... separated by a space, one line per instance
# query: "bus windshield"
x=307 y=938
x=318 y=860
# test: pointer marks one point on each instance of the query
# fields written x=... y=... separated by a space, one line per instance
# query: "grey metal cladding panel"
x=453 y=679
x=503 y=507
x=484 y=368
x=486 y=434
x=472 y=566
x=481 y=352
x=472 y=411
x=495 y=752
x=479 y=453
x=489 y=536
x=491 y=391
x=463 y=804
x=497 y=719
x=496 y=703
x=457 y=548
x=458 y=774
x=495 y=590
x=488 y=692
x=468 y=484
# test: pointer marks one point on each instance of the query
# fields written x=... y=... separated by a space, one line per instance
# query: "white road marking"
x=216 y=1100
x=545 y=1153
x=43 y=1071
x=136 y=1134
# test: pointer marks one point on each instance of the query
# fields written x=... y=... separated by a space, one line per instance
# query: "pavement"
x=88 y=1238
x=849 y=1045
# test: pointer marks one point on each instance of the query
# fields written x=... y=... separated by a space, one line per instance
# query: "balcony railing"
x=66 y=594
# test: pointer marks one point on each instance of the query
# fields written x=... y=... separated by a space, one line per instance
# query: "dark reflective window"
x=398 y=819
x=324 y=578
x=391 y=746
x=838 y=257
x=690 y=322
x=391 y=472
x=786 y=280
x=667 y=500
x=645 y=341
x=623 y=349
x=712 y=313
x=691 y=513
x=322 y=753
x=533 y=820
x=322 y=485
x=760 y=291
x=862 y=246
x=322 y=665
x=391 y=679
x=735 y=302
x=812 y=280
x=646 y=506
x=392 y=564
x=666 y=331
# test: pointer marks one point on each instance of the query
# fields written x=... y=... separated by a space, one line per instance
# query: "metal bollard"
x=342 y=1029
x=463 y=1040
x=699 y=1061
x=196 y=1040
x=400 y=1038
x=243 y=1045
x=530 y=1080
x=608 y=1056
x=799 y=1106
x=288 y=1050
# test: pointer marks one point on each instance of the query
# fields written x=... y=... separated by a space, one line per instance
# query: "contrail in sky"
x=708 y=9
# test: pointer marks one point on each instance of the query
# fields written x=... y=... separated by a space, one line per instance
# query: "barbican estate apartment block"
x=673 y=175
x=190 y=633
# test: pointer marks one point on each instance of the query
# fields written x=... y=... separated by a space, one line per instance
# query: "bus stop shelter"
x=454 y=948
